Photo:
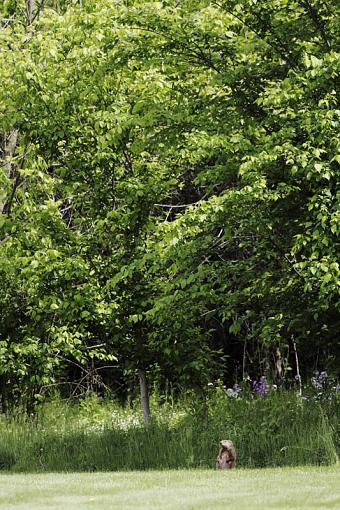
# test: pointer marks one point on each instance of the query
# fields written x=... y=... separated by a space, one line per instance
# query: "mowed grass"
x=281 y=488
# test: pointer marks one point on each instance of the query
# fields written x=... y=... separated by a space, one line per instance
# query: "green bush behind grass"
x=280 y=429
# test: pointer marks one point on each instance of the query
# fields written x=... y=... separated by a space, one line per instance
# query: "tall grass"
x=277 y=430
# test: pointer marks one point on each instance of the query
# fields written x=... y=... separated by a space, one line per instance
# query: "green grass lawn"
x=298 y=488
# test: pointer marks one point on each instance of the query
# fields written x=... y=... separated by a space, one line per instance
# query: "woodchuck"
x=226 y=458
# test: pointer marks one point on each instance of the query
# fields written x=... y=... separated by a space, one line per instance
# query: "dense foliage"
x=169 y=193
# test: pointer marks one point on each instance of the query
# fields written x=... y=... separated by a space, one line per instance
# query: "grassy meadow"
x=287 y=488
x=279 y=430
x=97 y=454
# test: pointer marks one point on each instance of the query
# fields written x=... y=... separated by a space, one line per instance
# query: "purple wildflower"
x=319 y=380
x=260 y=387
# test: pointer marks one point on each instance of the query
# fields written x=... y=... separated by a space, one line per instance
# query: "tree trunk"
x=279 y=365
x=30 y=12
x=298 y=375
x=144 y=394
x=9 y=147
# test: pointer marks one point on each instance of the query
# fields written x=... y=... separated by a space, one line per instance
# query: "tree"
x=173 y=190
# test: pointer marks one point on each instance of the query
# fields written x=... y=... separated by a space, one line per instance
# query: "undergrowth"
x=280 y=429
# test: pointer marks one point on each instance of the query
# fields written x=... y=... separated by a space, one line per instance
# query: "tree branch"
x=316 y=20
x=17 y=181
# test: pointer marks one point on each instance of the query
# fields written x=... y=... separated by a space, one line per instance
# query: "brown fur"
x=226 y=458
